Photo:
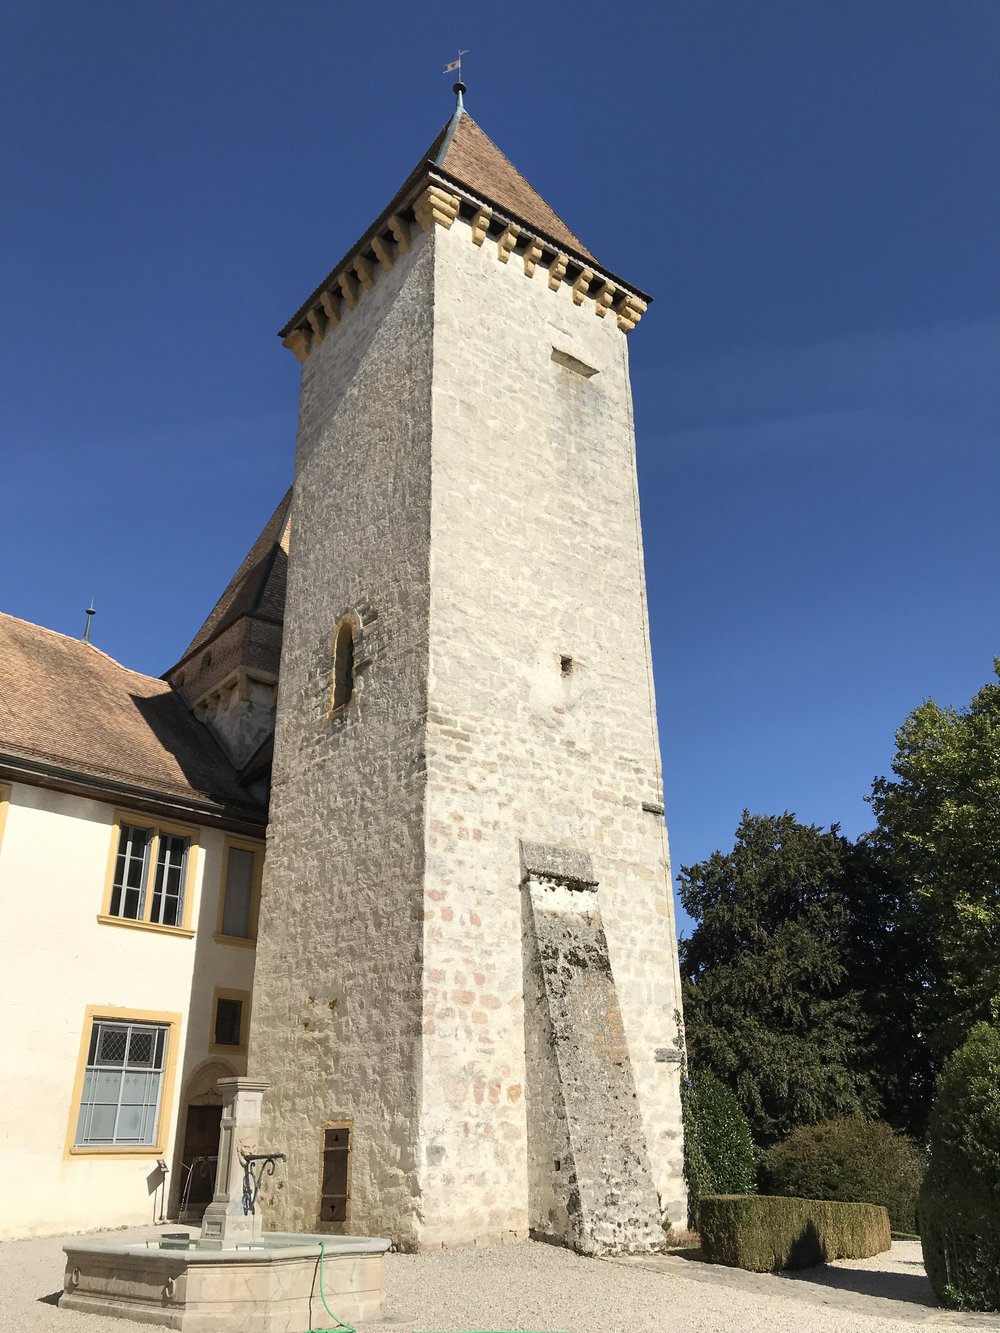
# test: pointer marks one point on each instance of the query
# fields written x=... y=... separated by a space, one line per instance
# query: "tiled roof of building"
x=66 y=704
x=258 y=586
x=473 y=158
x=465 y=153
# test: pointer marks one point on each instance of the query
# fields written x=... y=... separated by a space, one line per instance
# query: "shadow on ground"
x=890 y=1286
x=912 y=1286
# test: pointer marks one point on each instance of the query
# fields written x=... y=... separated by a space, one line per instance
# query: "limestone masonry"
x=466 y=958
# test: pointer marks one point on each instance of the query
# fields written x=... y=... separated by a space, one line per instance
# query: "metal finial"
x=90 y=620
x=456 y=66
x=458 y=89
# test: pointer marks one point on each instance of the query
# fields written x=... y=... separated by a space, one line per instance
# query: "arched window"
x=343 y=665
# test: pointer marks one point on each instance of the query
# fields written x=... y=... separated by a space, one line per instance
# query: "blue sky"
x=809 y=189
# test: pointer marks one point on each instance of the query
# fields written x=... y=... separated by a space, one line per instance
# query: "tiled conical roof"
x=464 y=151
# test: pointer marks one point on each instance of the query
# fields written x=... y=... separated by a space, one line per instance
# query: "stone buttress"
x=466 y=951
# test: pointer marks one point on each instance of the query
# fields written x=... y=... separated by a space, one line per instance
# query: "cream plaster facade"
x=60 y=965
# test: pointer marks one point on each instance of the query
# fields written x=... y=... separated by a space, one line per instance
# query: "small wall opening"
x=335 y=1189
x=566 y=665
x=573 y=363
x=343 y=665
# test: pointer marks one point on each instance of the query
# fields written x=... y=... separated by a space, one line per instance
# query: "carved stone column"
x=225 y=1224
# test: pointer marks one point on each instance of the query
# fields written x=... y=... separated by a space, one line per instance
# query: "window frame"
x=97 y=1013
x=158 y=829
x=233 y=843
x=225 y=993
x=343 y=674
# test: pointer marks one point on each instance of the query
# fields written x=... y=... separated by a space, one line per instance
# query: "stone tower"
x=467 y=990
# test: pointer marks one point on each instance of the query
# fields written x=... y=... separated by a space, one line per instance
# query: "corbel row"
x=345 y=290
x=439 y=207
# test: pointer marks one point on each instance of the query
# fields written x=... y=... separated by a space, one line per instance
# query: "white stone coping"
x=284 y=1245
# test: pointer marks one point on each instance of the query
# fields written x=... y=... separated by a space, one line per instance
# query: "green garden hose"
x=337 y=1323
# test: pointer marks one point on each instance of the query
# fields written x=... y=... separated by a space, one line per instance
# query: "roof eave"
x=56 y=774
x=426 y=171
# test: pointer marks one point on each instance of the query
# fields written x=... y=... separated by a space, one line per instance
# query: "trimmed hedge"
x=764 y=1233
x=960 y=1199
x=718 y=1151
x=851 y=1161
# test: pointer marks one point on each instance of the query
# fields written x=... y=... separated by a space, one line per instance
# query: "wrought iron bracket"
x=255 y=1166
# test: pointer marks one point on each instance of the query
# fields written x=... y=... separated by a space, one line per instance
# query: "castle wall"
x=337 y=1013
x=536 y=556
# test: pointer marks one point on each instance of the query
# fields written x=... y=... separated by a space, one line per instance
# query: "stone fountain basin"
x=271 y=1286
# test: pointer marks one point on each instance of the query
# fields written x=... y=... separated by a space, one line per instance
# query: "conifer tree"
x=769 y=1002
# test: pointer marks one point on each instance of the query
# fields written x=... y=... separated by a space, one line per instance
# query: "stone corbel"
x=603 y=299
x=316 y=325
x=630 y=312
x=532 y=255
x=436 y=205
x=332 y=315
x=506 y=242
x=299 y=342
x=382 y=252
x=348 y=290
x=400 y=233
x=582 y=286
x=481 y=225
x=557 y=271
x=363 y=268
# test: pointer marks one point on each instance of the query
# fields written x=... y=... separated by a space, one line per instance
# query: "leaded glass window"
x=122 y=1085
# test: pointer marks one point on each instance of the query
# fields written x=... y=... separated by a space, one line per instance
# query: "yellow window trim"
x=5 y=791
x=156 y=827
x=223 y=993
x=146 y=925
x=173 y=1024
x=243 y=845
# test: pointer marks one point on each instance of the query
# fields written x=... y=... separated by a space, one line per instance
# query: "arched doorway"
x=195 y=1177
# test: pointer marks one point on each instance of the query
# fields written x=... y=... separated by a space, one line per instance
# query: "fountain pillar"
x=228 y=1220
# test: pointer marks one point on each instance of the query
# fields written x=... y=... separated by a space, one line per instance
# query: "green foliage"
x=718 y=1150
x=890 y=962
x=768 y=1002
x=764 y=1234
x=851 y=1160
x=960 y=1198
x=939 y=827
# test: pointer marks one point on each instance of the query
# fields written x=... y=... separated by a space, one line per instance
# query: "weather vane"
x=456 y=65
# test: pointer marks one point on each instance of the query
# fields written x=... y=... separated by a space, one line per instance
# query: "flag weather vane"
x=456 y=65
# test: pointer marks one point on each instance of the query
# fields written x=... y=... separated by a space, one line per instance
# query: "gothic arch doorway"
x=199 y=1144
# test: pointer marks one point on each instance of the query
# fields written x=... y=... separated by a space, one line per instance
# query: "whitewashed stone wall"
x=336 y=1017
x=475 y=502
x=536 y=556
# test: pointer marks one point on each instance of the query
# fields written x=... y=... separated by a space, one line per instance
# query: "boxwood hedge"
x=764 y=1233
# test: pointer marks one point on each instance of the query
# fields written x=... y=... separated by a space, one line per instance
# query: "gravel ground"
x=538 y=1287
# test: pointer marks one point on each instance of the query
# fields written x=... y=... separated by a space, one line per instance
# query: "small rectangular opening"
x=228 y=1022
x=573 y=363
x=335 y=1188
